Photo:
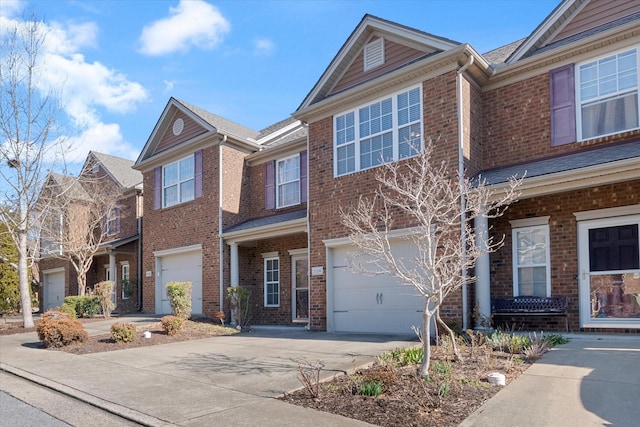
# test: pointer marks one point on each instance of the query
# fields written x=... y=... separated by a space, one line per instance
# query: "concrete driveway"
x=229 y=380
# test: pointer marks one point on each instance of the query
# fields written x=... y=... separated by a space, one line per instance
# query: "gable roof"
x=211 y=124
x=558 y=29
x=69 y=185
x=118 y=168
x=368 y=27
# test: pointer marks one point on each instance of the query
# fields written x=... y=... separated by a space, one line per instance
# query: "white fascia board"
x=173 y=251
x=266 y=231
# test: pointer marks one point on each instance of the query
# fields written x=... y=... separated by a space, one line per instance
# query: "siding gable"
x=396 y=55
x=190 y=129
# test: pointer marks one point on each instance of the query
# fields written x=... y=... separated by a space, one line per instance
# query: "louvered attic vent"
x=374 y=54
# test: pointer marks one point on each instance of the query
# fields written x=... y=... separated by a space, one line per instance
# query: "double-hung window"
x=113 y=222
x=271 y=280
x=126 y=292
x=531 y=258
x=387 y=130
x=607 y=91
x=178 y=182
x=288 y=181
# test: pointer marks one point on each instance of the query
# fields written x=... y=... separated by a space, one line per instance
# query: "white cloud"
x=193 y=23
x=264 y=47
x=85 y=91
x=168 y=86
x=10 y=8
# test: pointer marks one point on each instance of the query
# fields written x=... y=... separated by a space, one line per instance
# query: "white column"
x=483 y=289
x=113 y=276
x=235 y=274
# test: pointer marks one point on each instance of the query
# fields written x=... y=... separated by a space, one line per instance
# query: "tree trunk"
x=452 y=335
x=23 y=278
x=426 y=340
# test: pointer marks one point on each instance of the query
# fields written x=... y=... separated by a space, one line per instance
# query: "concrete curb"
x=113 y=408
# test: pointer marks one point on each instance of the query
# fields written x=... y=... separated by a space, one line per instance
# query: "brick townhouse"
x=229 y=206
x=117 y=256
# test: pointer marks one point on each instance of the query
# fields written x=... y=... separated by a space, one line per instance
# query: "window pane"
x=187 y=191
x=187 y=168
x=410 y=143
x=532 y=281
x=610 y=115
x=346 y=159
x=171 y=195
x=532 y=247
x=170 y=174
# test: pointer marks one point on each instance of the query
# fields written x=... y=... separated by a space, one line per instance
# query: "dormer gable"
x=574 y=19
x=376 y=47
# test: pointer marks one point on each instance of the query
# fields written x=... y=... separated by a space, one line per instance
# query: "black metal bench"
x=530 y=306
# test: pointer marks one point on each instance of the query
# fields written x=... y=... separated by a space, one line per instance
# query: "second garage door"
x=373 y=304
x=179 y=267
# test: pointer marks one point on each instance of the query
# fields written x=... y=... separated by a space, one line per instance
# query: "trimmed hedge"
x=57 y=329
x=85 y=306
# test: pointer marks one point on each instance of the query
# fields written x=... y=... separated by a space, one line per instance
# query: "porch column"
x=113 y=277
x=235 y=271
x=235 y=274
x=482 y=288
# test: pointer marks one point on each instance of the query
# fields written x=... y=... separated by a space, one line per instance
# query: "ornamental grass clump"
x=172 y=324
x=123 y=332
x=179 y=294
x=57 y=329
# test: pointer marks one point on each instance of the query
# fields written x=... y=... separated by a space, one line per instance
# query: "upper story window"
x=178 y=182
x=607 y=95
x=387 y=130
x=288 y=181
x=113 y=222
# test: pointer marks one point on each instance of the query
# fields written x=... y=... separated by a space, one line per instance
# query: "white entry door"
x=53 y=289
x=373 y=304
x=179 y=267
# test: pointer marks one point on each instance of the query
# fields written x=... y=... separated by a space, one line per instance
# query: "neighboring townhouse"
x=231 y=206
x=117 y=256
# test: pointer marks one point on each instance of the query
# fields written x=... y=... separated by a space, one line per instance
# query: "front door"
x=300 y=288
x=609 y=275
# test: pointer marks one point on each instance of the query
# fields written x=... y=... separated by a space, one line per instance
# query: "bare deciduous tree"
x=77 y=218
x=429 y=198
x=27 y=118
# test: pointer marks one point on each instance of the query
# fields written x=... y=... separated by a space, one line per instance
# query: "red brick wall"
x=517 y=125
x=563 y=239
x=191 y=223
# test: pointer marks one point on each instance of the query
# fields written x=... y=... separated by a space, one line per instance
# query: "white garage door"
x=53 y=289
x=373 y=304
x=179 y=267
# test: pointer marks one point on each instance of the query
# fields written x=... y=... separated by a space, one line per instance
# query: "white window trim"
x=124 y=265
x=578 y=99
x=270 y=256
x=394 y=130
x=278 y=183
x=525 y=225
x=177 y=184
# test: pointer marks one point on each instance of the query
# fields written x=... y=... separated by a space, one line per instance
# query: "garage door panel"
x=374 y=303
x=181 y=267
x=54 y=290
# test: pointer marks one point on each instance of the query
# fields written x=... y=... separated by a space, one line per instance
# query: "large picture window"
x=607 y=91
x=288 y=181
x=271 y=281
x=383 y=131
x=531 y=258
x=178 y=182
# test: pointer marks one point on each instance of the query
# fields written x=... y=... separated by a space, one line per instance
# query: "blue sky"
x=252 y=62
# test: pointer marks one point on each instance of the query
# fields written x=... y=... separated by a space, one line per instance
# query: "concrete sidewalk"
x=234 y=380
x=231 y=380
x=591 y=381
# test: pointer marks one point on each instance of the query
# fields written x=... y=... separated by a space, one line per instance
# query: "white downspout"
x=220 y=225
x=463 y=202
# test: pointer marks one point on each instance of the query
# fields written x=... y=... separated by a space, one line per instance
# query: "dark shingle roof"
x=70 y=186
x=499 y=55
x=584 y=159
x=221 y=124
x=120 y=169
x=268 y=220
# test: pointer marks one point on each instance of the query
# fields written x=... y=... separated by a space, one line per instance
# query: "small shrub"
x=104 y=292
x=309 y=376
x=172 y=324
x=403 y=356
x=85 y=306
x=555 y=339
x=69 y=309
x=123 y=332
x=179 y=294
x=58 y=329
x=370 y=388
